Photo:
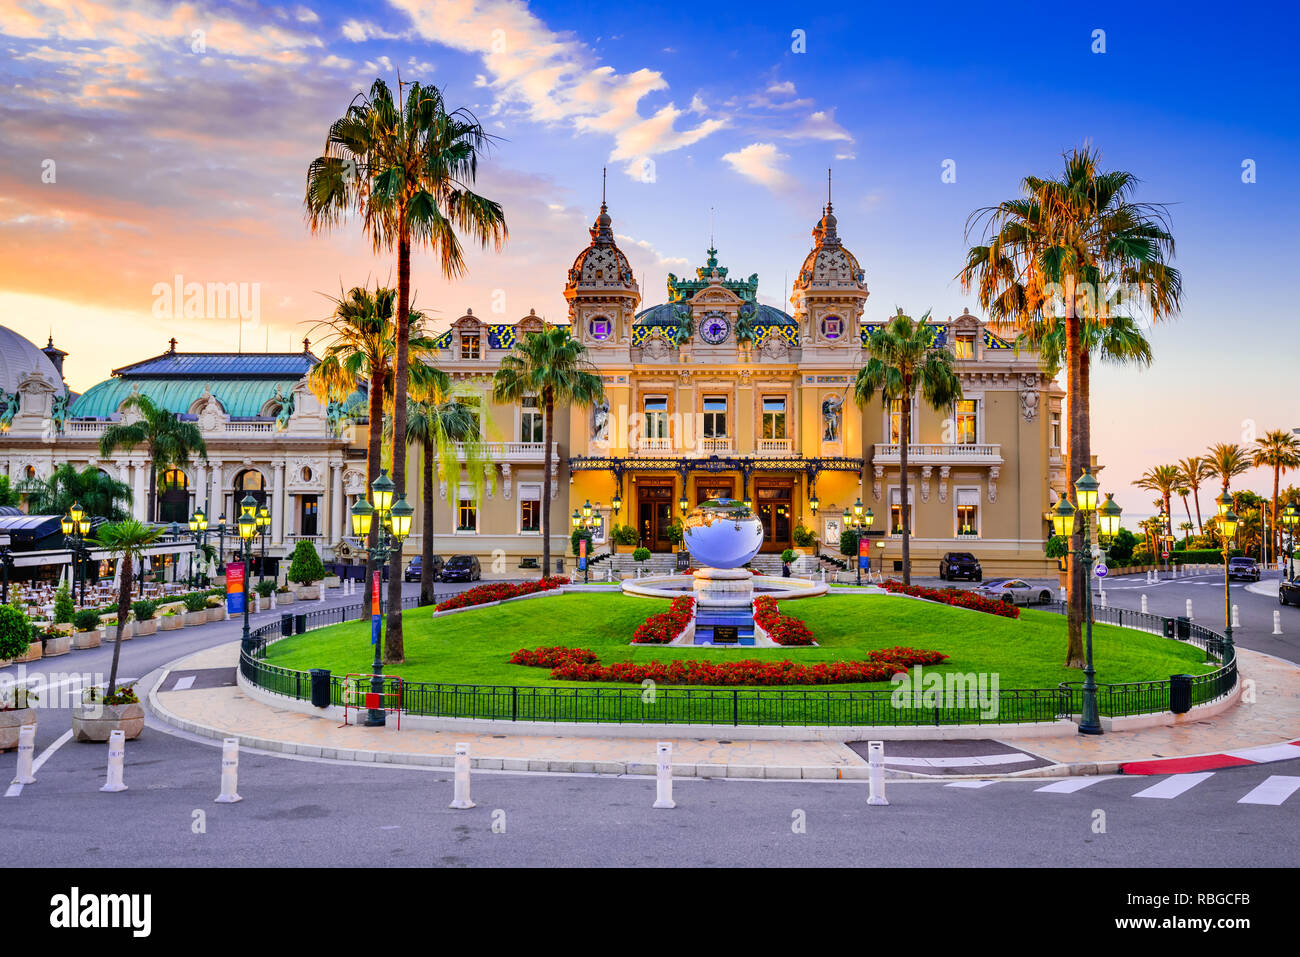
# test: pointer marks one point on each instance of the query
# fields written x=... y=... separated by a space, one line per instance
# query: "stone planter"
x=57 y=646
x=128 y=630
x=171 y=622
x=144 y=628
x=217 y=613
x=308 y=593
x=331 y=581
x=196 y=618
x=11 y=722
x=33 y=653
x=92 y=721
x=83 y=640
x=284 y=598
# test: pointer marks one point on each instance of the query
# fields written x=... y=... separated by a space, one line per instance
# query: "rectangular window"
x=531 y=421
x=530 y=508
x=715 y=417
x=896 y=510
x=966 y=422
x=310 y=512
x=895 y=420
x=968 y=512
x=656 y=417
x=469 y=347
x=964 y=347
x=1056 y=430
x=467 y=510
x=471 y=402
x=774 y=417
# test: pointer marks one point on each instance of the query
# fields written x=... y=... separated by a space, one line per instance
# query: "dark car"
x=956 y=565
x=414 y=569
x=461 y=568
x=1288 y=592
x=1243 y=568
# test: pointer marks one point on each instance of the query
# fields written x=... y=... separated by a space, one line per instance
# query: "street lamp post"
x=586 y=522
x=1291 y=519
x=247 y=526
x=263 y=526
x=199 y=529
x=221 y=544
x=7 y=563
x=394 y=526
x=76 y=525
x=1227 y=529
x=1106 y=519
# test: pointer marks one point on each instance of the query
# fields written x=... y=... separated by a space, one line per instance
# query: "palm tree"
x=1278 y=450
x=1226 y=460
x=553 y=365
x=1196 y=470
x=903 y=364
x=169 y=441
x=405 y=168
x=125 y=541
x=98 y=493
x=1054 y=255
x=1162 y=479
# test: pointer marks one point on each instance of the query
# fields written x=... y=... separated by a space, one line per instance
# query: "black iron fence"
x=905 y=706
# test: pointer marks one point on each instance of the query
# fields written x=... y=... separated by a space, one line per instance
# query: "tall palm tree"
x=1278 y=450
x=552 y=365
x=902 y=364
x=125 y=541
x=405 y=167
x=1226 y=461
x=1163 y=479
x=1055 y=254
x=92 y=488
x=169 y=441
x=1195 y=469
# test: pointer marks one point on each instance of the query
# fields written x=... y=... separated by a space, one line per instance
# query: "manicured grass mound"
x=475 y=647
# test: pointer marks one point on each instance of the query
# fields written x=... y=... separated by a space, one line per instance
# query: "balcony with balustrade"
x=512 y=452
x=938 y=453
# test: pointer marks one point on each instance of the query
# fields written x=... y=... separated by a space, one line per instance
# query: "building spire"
x=828 y=187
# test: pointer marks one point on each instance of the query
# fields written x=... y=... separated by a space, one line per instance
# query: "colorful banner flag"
x=582 y=554
x=235 y=597
x=864 y=554
x=374 y=609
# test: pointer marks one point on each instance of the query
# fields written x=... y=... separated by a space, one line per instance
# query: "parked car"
x=1014 y=591
x=461 y=568
x=1243 y=568
x=956 y=565
x=1288 y=592
x=414 y=569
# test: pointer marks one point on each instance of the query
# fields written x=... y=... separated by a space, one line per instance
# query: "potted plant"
x=100 y=713
x=284 y=595
x=145 y=622
x=15 y=700
x=196 y=608
x=170 y=620
x=305 y=570
x=54 y=641
x=64 y=606
x=624 y=538
x=640 y=556
x=15 y=635
x=805 y=539
x=216 y=608
x=85 y=629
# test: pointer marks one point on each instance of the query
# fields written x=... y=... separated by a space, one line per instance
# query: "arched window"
x=174 y=497
x=249 y=482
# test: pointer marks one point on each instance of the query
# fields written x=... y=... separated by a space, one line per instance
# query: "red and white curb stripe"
x=1210 y=762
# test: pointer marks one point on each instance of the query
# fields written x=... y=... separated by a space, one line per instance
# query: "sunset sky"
x=178 y=138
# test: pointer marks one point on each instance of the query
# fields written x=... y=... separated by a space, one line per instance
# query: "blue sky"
x=175 y=161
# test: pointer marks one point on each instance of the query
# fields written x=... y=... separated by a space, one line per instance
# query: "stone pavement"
x=1272 y=718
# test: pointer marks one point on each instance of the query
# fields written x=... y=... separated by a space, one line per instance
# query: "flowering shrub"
x=748 y=671
x=955 y=597
x=782 y=629
x=662 y=628
x=500 y=591
x=551 y=657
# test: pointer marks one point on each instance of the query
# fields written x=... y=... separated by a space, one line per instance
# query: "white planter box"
x=33 y=653
x=284 y=598
x=308 y=593
x=217 y=613
x=94 y=721
x=11 y=722
x=196 y=618
x=145 y=628
x=57 y=646
x=171 y=622
x=83 y=640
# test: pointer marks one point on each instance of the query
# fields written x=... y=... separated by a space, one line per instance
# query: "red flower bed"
x=955 y=597
x=664 y=627
x=551 y=657
x=748 y=671
x=782 y=629
x=499 y=591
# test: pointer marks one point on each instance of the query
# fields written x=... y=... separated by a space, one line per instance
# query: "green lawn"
x=474 y=647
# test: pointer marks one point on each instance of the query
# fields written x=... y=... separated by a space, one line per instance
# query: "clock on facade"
x=715 y=329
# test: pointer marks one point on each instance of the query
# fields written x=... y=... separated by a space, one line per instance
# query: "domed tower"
x=831 y=289
x=601 y=290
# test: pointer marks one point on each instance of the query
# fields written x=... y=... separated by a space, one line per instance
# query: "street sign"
x=1101 y=571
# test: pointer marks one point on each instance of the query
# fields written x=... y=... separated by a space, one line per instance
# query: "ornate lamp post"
x=76 y=525
x=199 y=529
x=7 y=563
x=247 y=532
x=394 y=525
x=221 y=545
x=587 y=523
x=263 y=517
x=1291 y=519
x=1227 y=531
x=1106 y=519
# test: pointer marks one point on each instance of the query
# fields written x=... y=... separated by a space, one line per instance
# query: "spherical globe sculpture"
x=722 y=533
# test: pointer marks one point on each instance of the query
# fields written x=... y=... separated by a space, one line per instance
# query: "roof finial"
x=602 y=187
x=828 y=186
x=172 y=344
x=711 y=246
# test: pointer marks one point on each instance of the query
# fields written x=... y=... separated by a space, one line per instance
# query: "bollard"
x=876 y=773
x=1060 y=593
x=1103 y=597
x=322 y=593
x=26 y=751
x=1190 y=616
x=1277 y=623
x=116 y=758
x=229 y=772
x=1144 y=604
x=664 y=775
x=460 y=797
x=272 y=601
x=1236 y=617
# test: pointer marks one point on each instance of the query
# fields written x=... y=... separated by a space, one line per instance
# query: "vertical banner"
x=864 y=553
x=582 y=554
x=374 y=609
x=235 y=598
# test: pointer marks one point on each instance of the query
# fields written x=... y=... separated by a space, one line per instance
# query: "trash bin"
x=320 y=687
x=1180 y=693
x=286 y=625
x=300 y=624
x=1169 y=627
x=1184 y=628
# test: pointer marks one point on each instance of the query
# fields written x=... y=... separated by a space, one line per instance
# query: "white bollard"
x=1144 y=604
x=1277 y=623
x=322 y=593
x=1236 y=617
x=273 y=601
x=876 y=773
x=26 y=751
x=1190 y=616
x=116 y=758
x=460 y=797
x=1060 y=593
x=664 y=775
x=229 y=772
x=1103 y=598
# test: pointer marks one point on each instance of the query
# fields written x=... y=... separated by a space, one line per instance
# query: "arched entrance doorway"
x=174 y=497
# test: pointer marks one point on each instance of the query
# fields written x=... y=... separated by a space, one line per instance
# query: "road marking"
x=1263 y=755
x=1174 y=785
x=1071 y=785
x=49 y=752
x=184 y=684
x=962 y=761
x=970 y=784
x=1275 y=789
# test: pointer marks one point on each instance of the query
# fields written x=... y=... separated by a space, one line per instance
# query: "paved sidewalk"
x=216 y=711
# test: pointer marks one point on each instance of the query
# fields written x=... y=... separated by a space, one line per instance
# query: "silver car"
x=1014 y=591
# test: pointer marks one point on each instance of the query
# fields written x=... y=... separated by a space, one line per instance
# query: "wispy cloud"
x=762 y=163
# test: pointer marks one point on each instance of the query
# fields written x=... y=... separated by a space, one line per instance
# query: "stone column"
x=141 y=505
x=338 y=526
x=201 y=488
x=277 y=509
x=216 y=494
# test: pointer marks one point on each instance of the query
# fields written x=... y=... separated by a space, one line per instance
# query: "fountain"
x=722 y=535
